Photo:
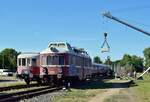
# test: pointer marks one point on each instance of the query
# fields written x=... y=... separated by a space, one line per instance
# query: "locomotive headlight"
x=59 y=76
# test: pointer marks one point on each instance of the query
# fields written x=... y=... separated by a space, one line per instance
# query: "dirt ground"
x=101 y=97
x=117 y=93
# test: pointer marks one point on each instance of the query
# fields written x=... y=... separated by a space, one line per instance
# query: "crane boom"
x=108 y=15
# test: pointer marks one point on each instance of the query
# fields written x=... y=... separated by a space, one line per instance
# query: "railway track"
x=18 y=87
x=27 y=94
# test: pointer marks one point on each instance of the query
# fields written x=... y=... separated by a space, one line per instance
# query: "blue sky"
x=29 y=25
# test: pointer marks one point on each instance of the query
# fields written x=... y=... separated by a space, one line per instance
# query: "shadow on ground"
x=8 y=80
x=100 y=84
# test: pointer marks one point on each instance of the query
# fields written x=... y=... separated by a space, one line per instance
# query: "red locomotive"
x=58 y=62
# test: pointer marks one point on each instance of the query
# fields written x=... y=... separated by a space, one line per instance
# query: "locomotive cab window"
x=61 y=45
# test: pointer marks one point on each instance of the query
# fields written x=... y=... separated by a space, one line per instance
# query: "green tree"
x=132 y=63
x=108 y=61
x=147 y=56
x=97 y=60
x=137 y=63
x=9 y=56
x=1 y=61
x=126 y=60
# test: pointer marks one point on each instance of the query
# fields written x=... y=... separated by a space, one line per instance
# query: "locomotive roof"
x=57 y=47
x=28 y=55
x=63 y=47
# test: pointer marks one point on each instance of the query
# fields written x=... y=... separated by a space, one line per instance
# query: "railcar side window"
x=49 y=60
x=43 y=60
x=74 y=60
x=70 y=59
x=61 y=60
x=52 y=60
x=23 y=62
x=28 y=61
x=19 y=61
x=55 y=60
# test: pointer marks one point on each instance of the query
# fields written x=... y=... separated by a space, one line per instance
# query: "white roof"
x=28 y=55
x=57 y=47
x=63 y=47
x=47 y=50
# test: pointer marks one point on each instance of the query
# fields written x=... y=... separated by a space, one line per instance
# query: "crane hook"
x=107 y=48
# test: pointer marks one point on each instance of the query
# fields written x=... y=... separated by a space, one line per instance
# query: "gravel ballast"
x=45 y=97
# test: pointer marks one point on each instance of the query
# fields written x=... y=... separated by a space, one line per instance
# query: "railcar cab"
x=54 y=59
x=28 y=66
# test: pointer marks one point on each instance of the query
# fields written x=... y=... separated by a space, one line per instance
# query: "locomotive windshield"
x=34 y=62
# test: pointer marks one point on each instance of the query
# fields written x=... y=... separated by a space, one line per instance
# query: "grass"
x=138 y=93
x=11 y=81
x=85 y=92
x=78 y=95
x=117 y=98
x=143 y=88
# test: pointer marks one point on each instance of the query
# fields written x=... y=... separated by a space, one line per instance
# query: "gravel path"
x=108 y=93
x=45 y=97
x=102 y=96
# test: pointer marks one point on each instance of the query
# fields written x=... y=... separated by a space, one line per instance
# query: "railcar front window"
x=28 y=62
x=33 y=62
x=23 y=62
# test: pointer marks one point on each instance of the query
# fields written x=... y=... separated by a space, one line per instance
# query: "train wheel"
x=27 y=81
x=39 y=81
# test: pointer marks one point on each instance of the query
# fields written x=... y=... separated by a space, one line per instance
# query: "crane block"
x=103 y=48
